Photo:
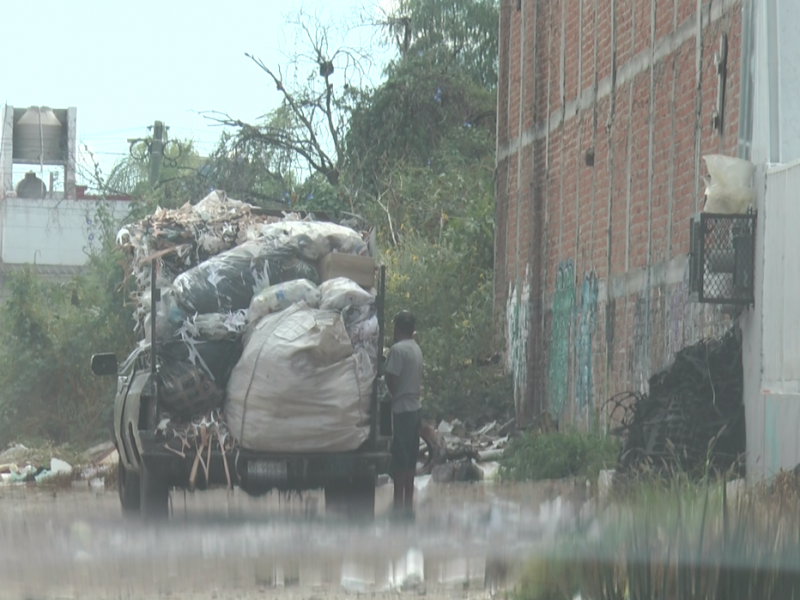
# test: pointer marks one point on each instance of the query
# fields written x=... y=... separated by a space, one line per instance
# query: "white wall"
x=776 y=78
x=50 y=232
x=771 y=329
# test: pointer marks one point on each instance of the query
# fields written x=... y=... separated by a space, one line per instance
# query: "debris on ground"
x=452 y=453
x=693 y=413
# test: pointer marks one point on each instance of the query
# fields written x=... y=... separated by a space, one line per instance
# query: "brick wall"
x=597 y=251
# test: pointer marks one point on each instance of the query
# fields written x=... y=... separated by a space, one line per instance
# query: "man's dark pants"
x=405 y=451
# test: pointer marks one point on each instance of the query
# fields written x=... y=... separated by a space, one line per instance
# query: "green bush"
x=49 y=331
x=559 y=455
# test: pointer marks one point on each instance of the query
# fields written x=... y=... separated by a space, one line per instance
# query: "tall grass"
x=559 y=455
x=683 y=542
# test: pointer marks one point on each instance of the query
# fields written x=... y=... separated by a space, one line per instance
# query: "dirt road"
x=467 y=542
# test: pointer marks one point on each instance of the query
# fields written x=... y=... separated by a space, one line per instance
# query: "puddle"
x=471 y=537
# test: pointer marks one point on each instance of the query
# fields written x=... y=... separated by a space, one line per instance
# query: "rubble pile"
x=451 y=453
x=693 y=413
x=20 y=465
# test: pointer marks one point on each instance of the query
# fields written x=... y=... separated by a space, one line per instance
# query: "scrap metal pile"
x=693 y=415
x=240 y=294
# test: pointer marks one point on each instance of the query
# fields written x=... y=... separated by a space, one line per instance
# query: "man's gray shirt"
x=405 y=362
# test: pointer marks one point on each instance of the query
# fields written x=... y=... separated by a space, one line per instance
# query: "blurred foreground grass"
x=679 y=541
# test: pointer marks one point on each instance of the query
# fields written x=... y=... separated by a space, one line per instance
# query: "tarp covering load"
x=229 y=279
x=694 y=413
x=298 y=386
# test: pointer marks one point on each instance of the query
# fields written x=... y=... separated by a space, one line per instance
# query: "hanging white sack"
x=729 y=190
x=299 y=387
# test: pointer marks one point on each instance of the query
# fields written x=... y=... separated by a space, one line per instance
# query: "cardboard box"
x=360 y=269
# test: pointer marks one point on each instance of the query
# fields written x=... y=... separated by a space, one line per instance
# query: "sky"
x=125 y=64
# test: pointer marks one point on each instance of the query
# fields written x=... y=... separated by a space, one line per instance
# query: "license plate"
x=270 y=470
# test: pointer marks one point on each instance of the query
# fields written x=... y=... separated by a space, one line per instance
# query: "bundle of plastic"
x=221 y=268
x=201 y=434
x=299 y=386
x=183 y=238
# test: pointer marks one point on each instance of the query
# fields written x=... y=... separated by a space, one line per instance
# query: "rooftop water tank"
x=38 y=137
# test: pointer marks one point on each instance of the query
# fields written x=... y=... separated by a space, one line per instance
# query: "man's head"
x=404 y=325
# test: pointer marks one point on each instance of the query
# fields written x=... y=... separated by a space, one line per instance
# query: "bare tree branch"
x=323 y=164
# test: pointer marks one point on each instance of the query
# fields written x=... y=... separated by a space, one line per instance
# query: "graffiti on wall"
x=560 y=334
x=587 y=320
x=640 y=348
x=517 y=334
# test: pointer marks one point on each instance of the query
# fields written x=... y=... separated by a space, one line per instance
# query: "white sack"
x=297 y=387
x=314 y=239
x=729 y=191
x=340 y=293
x=280 y=297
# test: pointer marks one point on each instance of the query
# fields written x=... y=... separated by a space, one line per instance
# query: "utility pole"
x=156 y=152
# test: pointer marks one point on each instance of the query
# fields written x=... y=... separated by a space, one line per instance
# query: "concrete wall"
x=604 y=112
x=771 y=342
x=50 y=232
x=771 y=350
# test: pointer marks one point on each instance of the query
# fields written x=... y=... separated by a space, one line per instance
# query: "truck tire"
x=154 y=495
x=363 y=497
x=129 y=492
x=354 y=500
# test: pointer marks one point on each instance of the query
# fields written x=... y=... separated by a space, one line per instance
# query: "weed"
x=559 y=455
x=684 y=541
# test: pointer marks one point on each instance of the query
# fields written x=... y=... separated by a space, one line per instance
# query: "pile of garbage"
x=693 y=413
x=452 y=453
x=246 y=322
x=20 y=465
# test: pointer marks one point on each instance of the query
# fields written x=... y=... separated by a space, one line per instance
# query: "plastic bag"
x=299 y=270
x=186 y=389
x=729 y=191
x=280 y=297
x=339 y=293
x=169 y=317
x=227 y=282
x=217 y=359
x=314 y=239
x=299 y=387
x=213 y=326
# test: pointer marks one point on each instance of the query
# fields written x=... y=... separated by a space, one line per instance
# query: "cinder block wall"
x=591 y=277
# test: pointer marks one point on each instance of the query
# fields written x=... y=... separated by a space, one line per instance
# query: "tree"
x=408 y=117
x=318 y=91
x=179 y=176
x=461 y=32
x=248 y=169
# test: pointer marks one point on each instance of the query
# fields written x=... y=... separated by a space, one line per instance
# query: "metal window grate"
x=721 y=258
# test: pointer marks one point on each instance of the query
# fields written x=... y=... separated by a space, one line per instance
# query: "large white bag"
x=729 y=191
x=299 y=387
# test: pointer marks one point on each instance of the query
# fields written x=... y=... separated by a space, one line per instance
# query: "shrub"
x=558 y=455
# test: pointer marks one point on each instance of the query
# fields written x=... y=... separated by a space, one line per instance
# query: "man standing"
x=404 y=380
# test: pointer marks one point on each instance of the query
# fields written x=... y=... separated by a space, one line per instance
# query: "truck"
x=147 y=470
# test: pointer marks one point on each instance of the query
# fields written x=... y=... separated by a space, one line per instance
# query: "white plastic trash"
x=281 y=296
x=729 y=190
x=340 y=293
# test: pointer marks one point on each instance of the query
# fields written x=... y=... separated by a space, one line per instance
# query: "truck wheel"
x=128 y=488
x=353 y=500
x=154 y=495
x=363 y=501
